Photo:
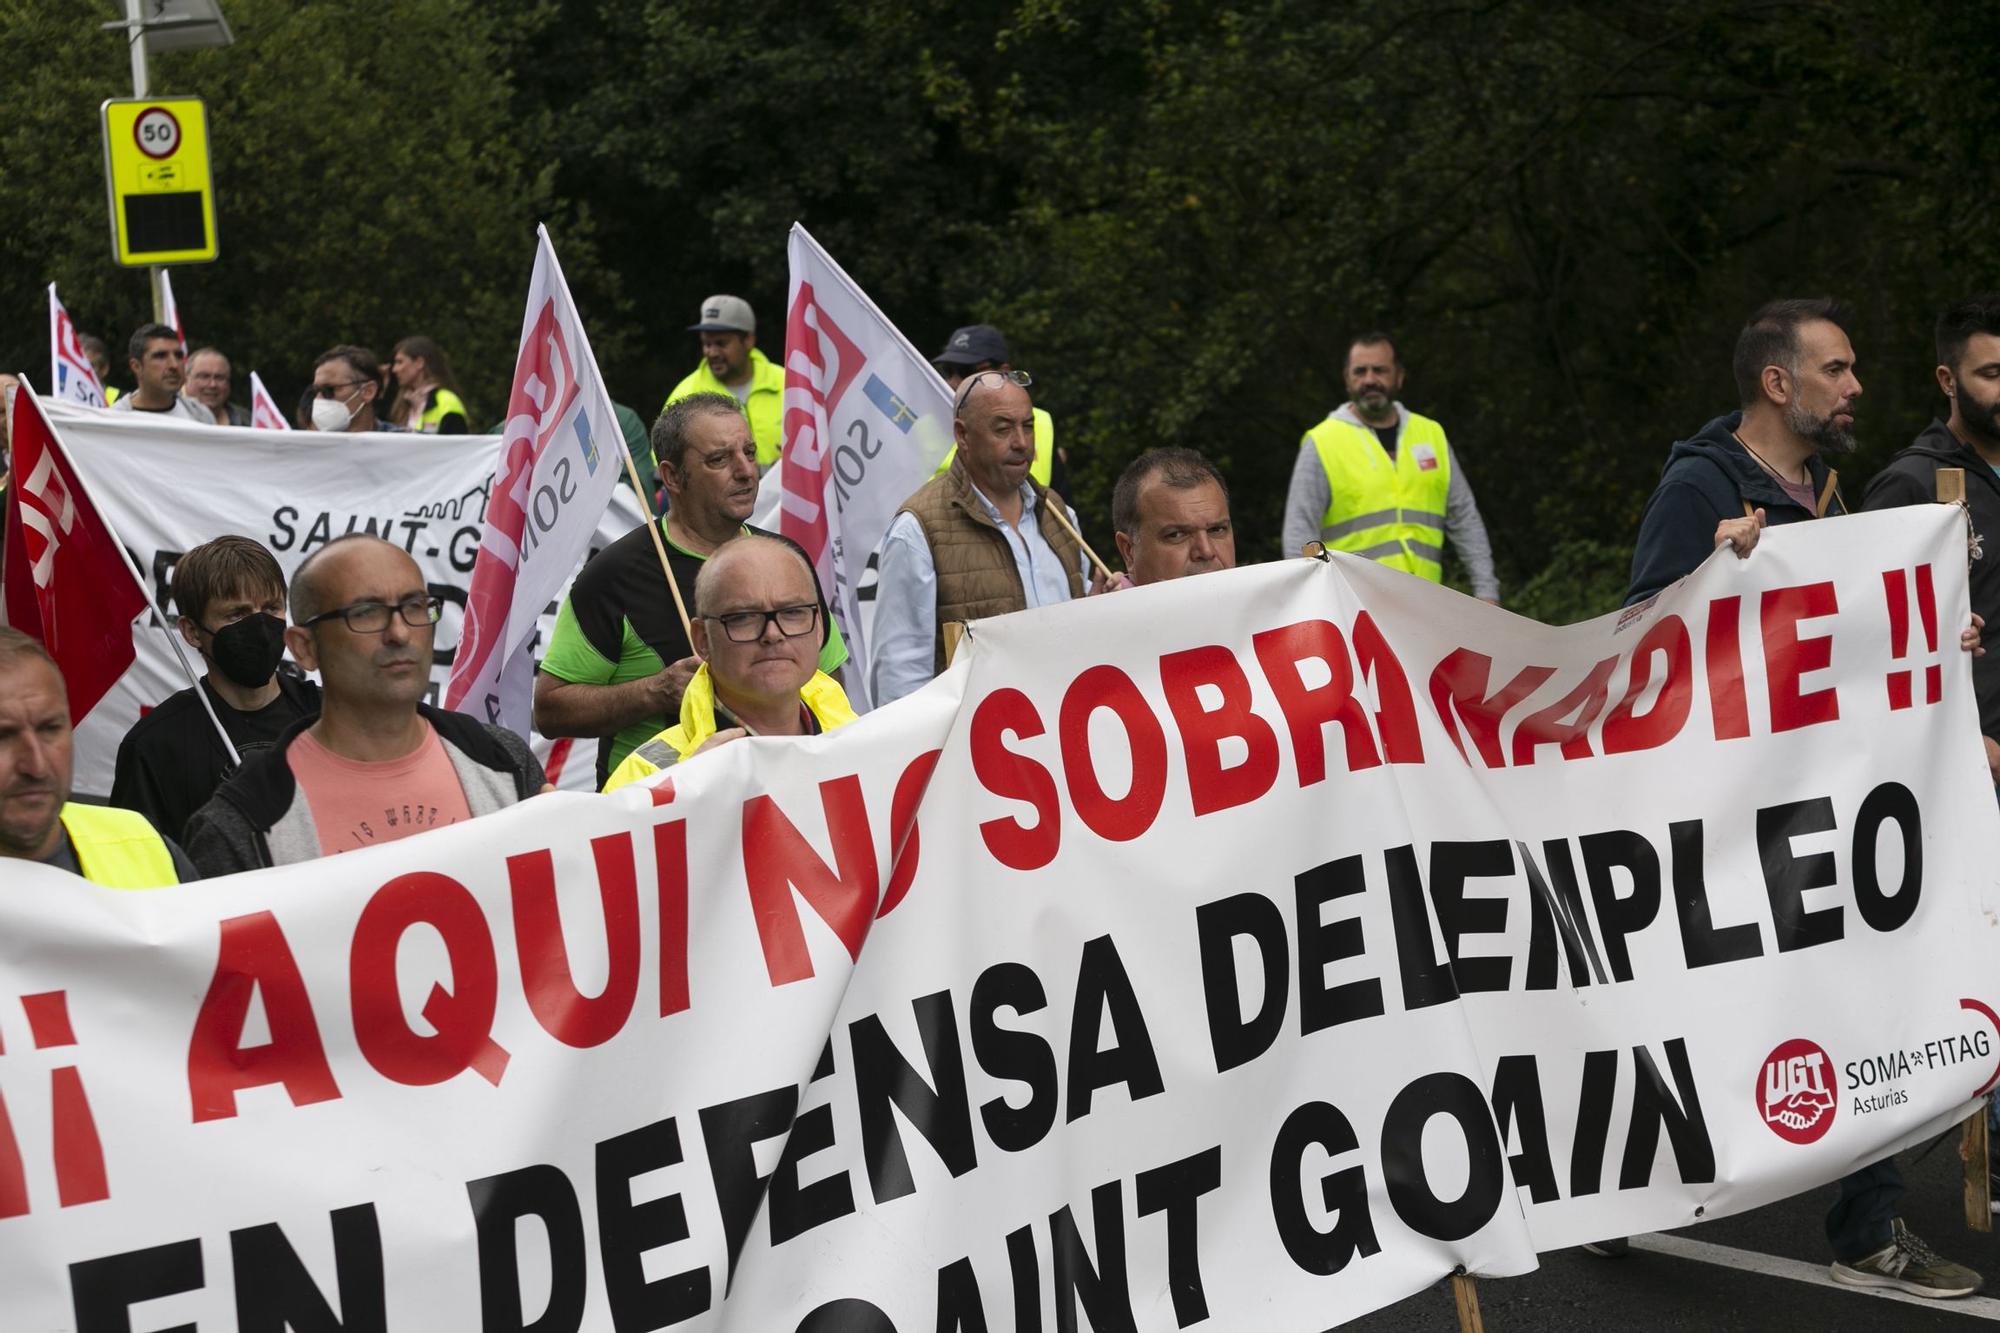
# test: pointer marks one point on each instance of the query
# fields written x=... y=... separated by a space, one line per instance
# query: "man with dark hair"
x=757 y=628
x=38 y=821
x=1766 y=464
x=347 y=387
x=981 y=347
x=208 y=387
x=1170 y=512
x=732 y=365
x=1380 y=481
x=619 y=659
x=976 y=541
x=377 y=764
x=1968 y=371
x=159 y=368
x=230 y=594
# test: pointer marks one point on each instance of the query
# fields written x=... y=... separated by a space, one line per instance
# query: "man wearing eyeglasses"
x=208 y=387
x=347 y=384
x=757 y=629
x=378 y=764
x=977 y=541
x=981 y=347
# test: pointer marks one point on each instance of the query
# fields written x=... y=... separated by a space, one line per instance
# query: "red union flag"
x=66 y=581
x=70 y=371
x=867 y=420
x=265 y=414
x=550 y=485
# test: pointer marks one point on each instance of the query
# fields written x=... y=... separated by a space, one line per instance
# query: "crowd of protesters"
x=256 y=765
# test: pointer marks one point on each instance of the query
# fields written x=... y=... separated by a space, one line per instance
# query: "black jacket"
x=1707 y=479
x=1911 y=479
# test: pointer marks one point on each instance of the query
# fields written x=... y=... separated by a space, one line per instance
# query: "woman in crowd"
x=427 y=397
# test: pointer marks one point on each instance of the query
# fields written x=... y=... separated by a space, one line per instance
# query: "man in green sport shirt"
x=619 y=658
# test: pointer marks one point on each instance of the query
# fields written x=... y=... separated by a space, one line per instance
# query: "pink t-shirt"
x=356 y=804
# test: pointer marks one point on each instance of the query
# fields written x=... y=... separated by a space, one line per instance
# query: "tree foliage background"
x=1177 y=212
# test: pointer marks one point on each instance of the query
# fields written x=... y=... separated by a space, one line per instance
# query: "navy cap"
x=972 y=345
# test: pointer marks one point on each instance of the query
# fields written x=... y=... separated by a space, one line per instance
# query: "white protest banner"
x=867 y=420
x=554 y=482
x=294 y=493
x=265 y=414
x=70 y=371
x=1243 y=952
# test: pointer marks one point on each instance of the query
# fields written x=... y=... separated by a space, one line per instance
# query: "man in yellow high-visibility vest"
x=38 y=821
x=1377 y=480
x=979 y=347
x=731 y=364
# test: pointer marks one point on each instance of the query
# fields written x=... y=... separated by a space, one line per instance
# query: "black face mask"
x=248 y=651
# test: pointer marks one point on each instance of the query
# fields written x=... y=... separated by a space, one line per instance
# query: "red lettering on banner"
x=1566 y=722
x=1727 y=701
x=1122 y=818
x=461 y=1018
x=13 y=1172
x=254 y=958
x=903 y=841
x=564 y=1012
x=1203 y=730
x=1787 y=657
x=1006 y=773
x=670 y=860
x=1458 y=685
x=1308 y=710
x=777 y=859
x=1625 y=730
x=820 y=362
x=1395 y=705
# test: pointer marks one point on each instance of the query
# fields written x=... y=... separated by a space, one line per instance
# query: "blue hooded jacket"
x=1707 y=479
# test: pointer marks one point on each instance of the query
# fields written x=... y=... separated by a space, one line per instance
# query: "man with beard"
x=160 y=369
x=619 y=659
x=731 y=364
x=1766 y=464
x=1968 y=352
x=1379 y=481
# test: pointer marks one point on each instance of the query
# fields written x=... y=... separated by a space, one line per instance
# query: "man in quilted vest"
x=973 y=542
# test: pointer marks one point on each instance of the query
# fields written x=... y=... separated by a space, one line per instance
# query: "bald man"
x=378 y=763
x=757 y=627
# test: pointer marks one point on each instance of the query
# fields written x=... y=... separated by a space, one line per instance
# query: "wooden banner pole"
x=1466 y=1297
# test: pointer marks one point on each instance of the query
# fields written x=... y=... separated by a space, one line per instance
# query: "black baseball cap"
x=972 y=345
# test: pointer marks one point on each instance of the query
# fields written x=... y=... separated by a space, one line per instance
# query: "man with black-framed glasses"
x=757 y=627
x=378 y=764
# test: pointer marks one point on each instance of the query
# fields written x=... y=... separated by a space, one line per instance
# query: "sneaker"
x=1611 y=1247
x=1906 y=1264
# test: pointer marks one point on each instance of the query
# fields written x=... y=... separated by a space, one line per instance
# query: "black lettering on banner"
x=319 y=534
x=442 y=653
x=959 y=1307
x=1014 y=1055
x=847 y=1316
x=1593 y=1122
x=1101 y=985
x=626 y=1231
x=1026 y=1269
x=1235 y=1039
x=1426 y=977
x=1103 y=1287
x=283 y=534
x=1322 y=942
x=1558 y=912
x=464 y=549
x=940 y=1110
x=731 y=1132
x=1891 y=802
x=1621 y=916
x=1517 y=1102
x=103 y=1291
x=1458 y=1098
x=1702 y=943
x=1787 y=875
x=797 y=1209
x=1653 y=1106
x=163 y=576
x=1175 y=1189
x=413 y=528
x=275 y=1293
x=499 y=1202
x=1453 y=863
x=1344 y=1192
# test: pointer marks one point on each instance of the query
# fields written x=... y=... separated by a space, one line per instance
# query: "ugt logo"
x=1797 y=1091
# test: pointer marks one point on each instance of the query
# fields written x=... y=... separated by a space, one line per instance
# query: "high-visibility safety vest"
x=118 y=848
x=1384 y=510
x=443 y=403
x=1043 y=468
x=822 y=695
x=765 y=406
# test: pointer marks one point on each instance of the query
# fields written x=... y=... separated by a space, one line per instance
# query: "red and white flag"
x=264 y=411
x=867 y=421
x=66 y=582
x=172 y=309
x=559 y=459
x=70 y=371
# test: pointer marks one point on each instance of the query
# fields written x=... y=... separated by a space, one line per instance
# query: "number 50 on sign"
x=156 y=175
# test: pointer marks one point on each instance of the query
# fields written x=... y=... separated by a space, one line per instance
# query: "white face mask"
x=331 y=415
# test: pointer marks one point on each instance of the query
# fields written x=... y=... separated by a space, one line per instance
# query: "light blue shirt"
x=903 y=648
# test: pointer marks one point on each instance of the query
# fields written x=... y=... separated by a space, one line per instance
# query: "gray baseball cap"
x=725 y=314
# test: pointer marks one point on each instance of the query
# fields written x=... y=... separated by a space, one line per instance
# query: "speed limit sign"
x=156 y=132
x=157 y=176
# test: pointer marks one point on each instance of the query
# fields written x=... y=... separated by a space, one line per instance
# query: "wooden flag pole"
x=1466 y=1297
x=659 y=546
x=1070 y=528
x=954 y=631
x=1973 y=1146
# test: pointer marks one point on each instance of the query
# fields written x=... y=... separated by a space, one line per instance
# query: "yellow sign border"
x=129 y=171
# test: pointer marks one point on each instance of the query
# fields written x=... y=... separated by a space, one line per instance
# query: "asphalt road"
x=1650 y=1290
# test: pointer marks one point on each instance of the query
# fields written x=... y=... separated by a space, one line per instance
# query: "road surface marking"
x=1769 y=1265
